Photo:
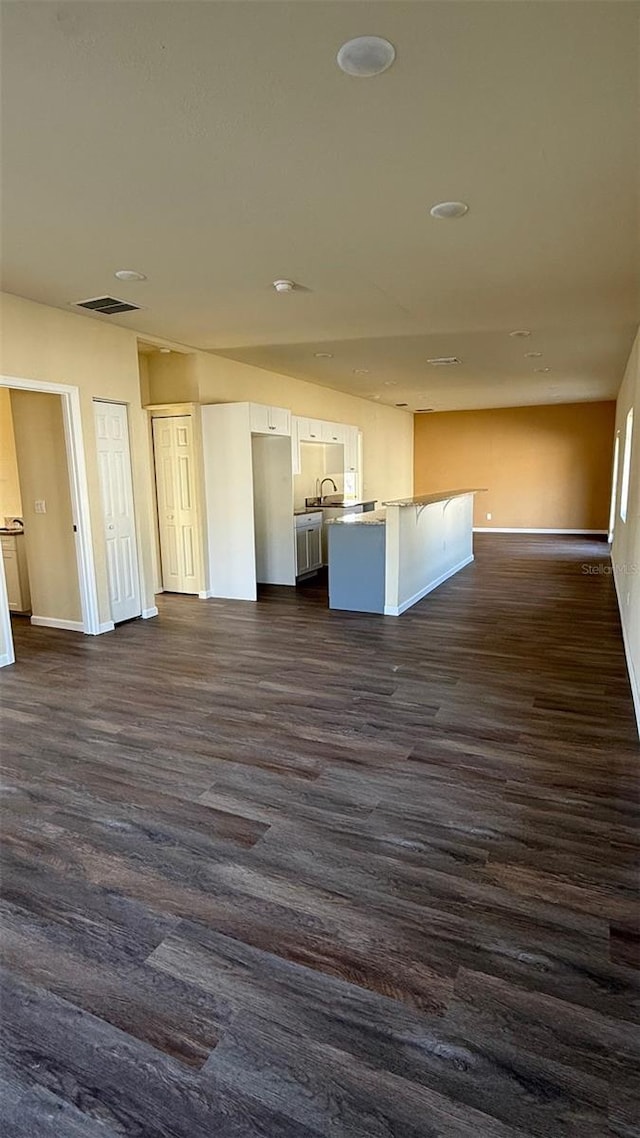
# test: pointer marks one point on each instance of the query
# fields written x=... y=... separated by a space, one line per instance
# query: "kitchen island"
x=387 y=560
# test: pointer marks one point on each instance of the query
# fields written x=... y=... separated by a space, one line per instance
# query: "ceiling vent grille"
x=107 y=305
x=444 y=361
x=423 y=410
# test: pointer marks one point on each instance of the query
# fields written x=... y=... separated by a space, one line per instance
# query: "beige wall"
x=10 y=500
x=545 y=467
x=626 y=535
x=47 y=344
x=44 y=475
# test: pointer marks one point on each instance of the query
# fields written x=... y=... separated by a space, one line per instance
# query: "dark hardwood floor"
x=270 y=870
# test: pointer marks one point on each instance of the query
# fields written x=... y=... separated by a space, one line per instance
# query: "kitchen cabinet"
x=308 y=543
x=351 y=450
x=267 y=420
x=333 y=432
x=15 y=570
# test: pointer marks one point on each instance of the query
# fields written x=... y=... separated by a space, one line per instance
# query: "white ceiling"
x=216 y=146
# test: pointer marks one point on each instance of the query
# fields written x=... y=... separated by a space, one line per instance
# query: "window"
x=626 y=467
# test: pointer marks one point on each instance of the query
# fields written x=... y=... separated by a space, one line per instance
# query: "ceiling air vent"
x=444 y=361
x=107 y=305
x=423 y=410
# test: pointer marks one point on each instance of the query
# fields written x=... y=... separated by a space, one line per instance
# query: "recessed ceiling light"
x=519 y=332
x=444 y=361
x=446 y=211
x=361 y=371
x=129 y=275
x=532 y=355
x=284 y=286
x=541 y=369
x=323 y=355
x=365 y=56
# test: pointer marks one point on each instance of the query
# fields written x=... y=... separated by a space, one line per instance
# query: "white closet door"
x=116 y=488
x=177 y=510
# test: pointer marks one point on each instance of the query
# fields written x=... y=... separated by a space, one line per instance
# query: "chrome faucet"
x=335 y=488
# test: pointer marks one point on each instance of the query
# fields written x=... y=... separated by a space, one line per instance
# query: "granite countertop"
x=337 y=502
x=431 y=499
x=371 y=518
x=307 y=510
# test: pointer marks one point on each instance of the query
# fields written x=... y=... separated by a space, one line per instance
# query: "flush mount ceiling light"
x=446 y=211
x=540 y=370
x=532 y=355
x=361 y=371
x=129 y=275
x=284 y=286
x=365 y=56
x=323 y=355
x=520 y=332
x=444 y=361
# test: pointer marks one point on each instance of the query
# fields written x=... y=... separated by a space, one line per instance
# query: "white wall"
x=626 y=535
x=424 y=546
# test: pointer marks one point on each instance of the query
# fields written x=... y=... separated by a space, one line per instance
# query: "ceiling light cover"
x=323 y=355
x=444 y=361
x=520 y=332
x=365 y=56
x=361 y=371
x=447 y=211
x=129 y=275
x=541 y=369
x=284 y=286
x=532 y=355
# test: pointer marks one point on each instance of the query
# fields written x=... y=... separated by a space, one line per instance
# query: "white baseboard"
x=147 y=613
x=520 y=529
x=106 y=626
x=393 y=610
x=52 y=622
x=6 y=659
x=633 y=678
x=205 y=594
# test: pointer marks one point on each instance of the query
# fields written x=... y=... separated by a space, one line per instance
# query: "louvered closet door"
x=177 y=515
x=116 y=489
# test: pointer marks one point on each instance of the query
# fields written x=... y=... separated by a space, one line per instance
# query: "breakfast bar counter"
x=388 y=560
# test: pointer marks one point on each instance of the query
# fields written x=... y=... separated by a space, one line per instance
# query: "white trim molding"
x=205 y=594
x=53 y=622
x=106 y=626
x=634 y=680
x=523 y=529
x=146 y=614
x=397 y=610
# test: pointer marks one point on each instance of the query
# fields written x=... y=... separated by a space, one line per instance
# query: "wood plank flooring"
x=271 y=871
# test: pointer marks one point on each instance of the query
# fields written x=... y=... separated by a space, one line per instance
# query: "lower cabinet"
x=308 y=543
x=16 y=573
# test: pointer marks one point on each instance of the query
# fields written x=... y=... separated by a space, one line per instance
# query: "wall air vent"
x=444 y=361
x=107 y=305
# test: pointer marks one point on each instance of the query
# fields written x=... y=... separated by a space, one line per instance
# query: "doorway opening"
x=47 y=426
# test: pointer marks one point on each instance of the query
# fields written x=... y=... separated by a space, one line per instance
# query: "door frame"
x=79 y=490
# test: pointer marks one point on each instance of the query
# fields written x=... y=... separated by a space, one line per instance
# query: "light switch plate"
x=40 y=506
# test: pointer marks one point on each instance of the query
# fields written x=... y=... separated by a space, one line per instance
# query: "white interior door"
x=116 y=488
x=177 y=507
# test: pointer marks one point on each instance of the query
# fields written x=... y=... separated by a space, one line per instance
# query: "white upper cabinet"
x=309 y=430
x=351 y=450
x=269 y=420
x=333 y=432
